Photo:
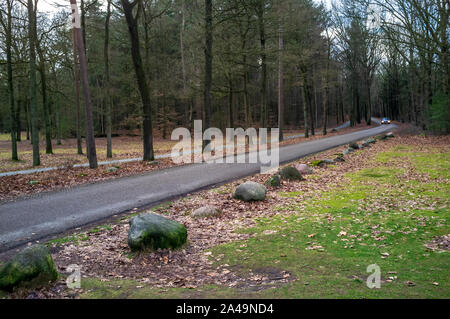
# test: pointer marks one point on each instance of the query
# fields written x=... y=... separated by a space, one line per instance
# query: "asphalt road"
x=51 y=213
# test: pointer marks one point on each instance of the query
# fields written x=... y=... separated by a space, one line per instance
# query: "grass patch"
x=75 y=239
x=379 y=217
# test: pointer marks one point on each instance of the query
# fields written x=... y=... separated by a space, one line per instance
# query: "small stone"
x=354 y=146
x=290 y=173
x=153 y=163
x=112 y=169
x=206 y=211
x=304 y=169
x=274 y=181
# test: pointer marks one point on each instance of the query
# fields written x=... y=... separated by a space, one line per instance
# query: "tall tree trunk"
x=280 y=81
x=305 y=105
x=14 y=155
x=262 y=39
x=311 y=108
x=45 y=104
x=230 y=102
x=132 y=22
x=183 y=65
x=108 y=98
x=76 y=76
x=18 y=125
x=325 y=105
x=33 y=98
x=90 y=140
x=208 y=64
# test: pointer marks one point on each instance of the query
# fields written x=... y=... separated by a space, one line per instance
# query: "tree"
x=132 y=23
x=32 y=64
x=90 y=140
x=8 y=32
x=208 y=62
x=107 y=83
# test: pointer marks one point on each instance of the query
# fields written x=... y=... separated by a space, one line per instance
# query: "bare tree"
x=90 y=139
x=132 y=22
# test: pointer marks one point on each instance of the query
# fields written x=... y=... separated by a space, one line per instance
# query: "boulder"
x=274 y=181
x=153 y=231
x=328 y=161
x=31 y=267
x=250 y=191
x=304 y=169
x=346 y=152
x=370 y=141
x=364 y=144
x=354 y=146
x=290 y=173
x=206 y=211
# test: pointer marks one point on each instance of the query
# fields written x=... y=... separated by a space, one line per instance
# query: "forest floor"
x=386 y=205
x=65 y=155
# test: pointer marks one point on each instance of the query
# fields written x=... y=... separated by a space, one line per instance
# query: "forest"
x=149 y=66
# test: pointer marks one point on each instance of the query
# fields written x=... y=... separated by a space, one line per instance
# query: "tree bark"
x=90 y=140
x=33 y=98
x=208 y=64
x=132 y=22
x=262 y=39
x=280 y=81
x=108 y=98
x=13 y=128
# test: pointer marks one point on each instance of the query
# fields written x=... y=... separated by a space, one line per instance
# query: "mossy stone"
x=250 y=191
x=31 y=267
x=290 y=173
x=354 y=146
x=153 y=231
x=274 y=181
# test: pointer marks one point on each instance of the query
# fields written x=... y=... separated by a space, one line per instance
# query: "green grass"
x=379 y=215
x=75 y=239
x=350 y=228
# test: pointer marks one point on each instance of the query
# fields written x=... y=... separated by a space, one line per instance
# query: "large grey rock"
x=370 y=140
x=290 y=173
x=304 y=169
x=153 y=231
x=274 y=181
x=31 y=267
x=206 y=211
x=250 y=191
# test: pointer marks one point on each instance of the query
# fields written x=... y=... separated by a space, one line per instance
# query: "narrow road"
x=51 y=213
